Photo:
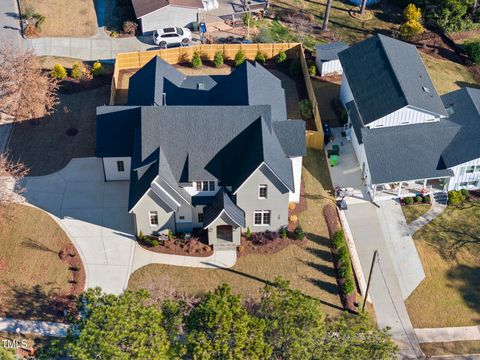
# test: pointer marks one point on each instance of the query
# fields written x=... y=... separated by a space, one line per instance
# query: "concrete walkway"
x=10 y=23
x=367 y=225
x=448 y=334
x=423 y=220
x=44 y=328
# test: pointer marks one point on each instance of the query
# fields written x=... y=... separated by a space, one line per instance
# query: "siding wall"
x=359 y=150
x=460 y=175
x=111 y=170
x=168 y=16
x=297 y=178
x=212 y=231
x=150 y=202
x=276 y=202
x=345 y=92
x=404 y=116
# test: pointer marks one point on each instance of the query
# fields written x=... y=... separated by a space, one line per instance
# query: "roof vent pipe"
x=164 y=99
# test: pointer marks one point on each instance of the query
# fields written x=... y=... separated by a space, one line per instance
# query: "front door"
x=224 y=233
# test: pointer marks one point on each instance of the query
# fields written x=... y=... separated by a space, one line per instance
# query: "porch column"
x=399 y=189
x=374 y=192
x=425 y=183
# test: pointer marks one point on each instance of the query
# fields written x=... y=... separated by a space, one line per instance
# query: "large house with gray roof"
x=406 y=137
x=212 y=152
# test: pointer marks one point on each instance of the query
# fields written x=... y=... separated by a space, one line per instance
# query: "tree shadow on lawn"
x=467 y=282
x=36 y=245
x=36 y=304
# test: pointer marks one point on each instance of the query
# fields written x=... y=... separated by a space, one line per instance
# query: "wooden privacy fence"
x=135 y=60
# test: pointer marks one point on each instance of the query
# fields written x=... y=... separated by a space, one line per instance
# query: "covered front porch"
x=380 y=192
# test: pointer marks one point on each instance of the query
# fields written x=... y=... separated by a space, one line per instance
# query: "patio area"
x=409 y=188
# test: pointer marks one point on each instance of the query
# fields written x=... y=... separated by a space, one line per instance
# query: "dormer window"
x=205 y=185
x=262 y=191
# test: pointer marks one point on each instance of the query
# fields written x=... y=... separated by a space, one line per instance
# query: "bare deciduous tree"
x=327 y=15
x=26 y=92
x=301 y=23
x=11 y=174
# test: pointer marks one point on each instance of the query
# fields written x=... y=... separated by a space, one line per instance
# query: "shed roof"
x=386 y=75
x=329 y=52
x=145 y=7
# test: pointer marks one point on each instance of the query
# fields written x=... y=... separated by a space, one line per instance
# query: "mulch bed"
x=297 y=209
x=333 y=224
x=247 y=247
x=195 y=246
x=71 y=86
x=70 y=256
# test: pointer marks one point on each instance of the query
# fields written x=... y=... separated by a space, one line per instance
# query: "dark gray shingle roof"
x=329 y=52
x=291 y=135
x=386 y=75
x=223 y=203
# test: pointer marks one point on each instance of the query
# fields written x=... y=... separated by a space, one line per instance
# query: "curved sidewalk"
x=44 y=328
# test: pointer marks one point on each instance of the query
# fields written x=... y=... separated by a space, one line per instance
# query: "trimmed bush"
x=260 y=58
x=418 y=199
x=426 y=199
x=78 y=70
x=473 y=50
x=455 y=198
x=465 y=193
x=218 y=59
x=248 y=234
x=170 y=234
x=343 y=255
x=295 y=68
x=345 y=270
x=196 y=60
x=281 y=57
x=58 y=72
x=338 y=239
x=408 y=200
x=240 y=57
x=299 y=234
x=97 y=69
x=348 y=287
x=305 y=108
x=284 y=232
x=312 y=70
x=130 y=27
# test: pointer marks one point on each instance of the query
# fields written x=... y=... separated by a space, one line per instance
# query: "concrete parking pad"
x=94 y=214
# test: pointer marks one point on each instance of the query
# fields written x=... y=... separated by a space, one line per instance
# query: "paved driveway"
x=94 y=214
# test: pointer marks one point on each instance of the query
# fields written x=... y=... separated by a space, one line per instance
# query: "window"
x=477 y=168
x=470 y=169
x=262 y=191
x=199 y=185
x=153 y=218
x=205 y=185
x=181 y=217
x=463 y=184
x=262 y=217
x=211 y=185
x=200 y=217
x=120 y=166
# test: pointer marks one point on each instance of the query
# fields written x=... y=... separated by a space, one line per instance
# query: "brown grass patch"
x=451 y=348
x=413 y=212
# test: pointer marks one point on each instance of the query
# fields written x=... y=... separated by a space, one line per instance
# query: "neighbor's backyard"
x=449 y=248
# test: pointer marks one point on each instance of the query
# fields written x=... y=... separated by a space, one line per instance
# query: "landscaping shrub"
x=281 y=57
x=28 y=12
x=305 y=108
x=465 y=193
x=218 y=59
x=130 y=27
x=78 y=71
x=265 y=237
x=348 y=287
x=295 y=68
x=408 y=200
x=196 y=60
x=170 y=234
x=248 y=234
x=455 y=198
x=98 y=69
x=412 y=25
x=39 y=20
x=473 y=50
x=312 y=70
x=239 y=57
x=58 y=72
x=338 y=239
x=426 y=199
x=260 y=58
x=299 y=234
x=345 y=270
x=343 y=256
x=418 y=199
x=263 y=36
x=284 y=232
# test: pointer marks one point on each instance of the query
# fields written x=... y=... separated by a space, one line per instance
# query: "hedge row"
x=344 y=266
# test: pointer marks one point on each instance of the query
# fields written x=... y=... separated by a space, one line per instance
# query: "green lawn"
x=449 y=248
x=32 y=276
x=309 y=268
x=413 y=212
x=451 y=348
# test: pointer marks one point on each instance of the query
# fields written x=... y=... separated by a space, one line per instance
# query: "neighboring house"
x=406 y=137
x=204 y=152
x=326 y=58
x=156 y=14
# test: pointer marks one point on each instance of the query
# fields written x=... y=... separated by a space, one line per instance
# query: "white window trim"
x=155 y=213
x=261 y=212
x=263 y=186
x=469 y=166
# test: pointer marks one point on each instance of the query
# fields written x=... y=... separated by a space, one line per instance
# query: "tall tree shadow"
x=36 y=245
x=467 y=282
